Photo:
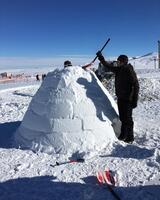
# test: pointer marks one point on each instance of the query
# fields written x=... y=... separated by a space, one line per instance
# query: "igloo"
x=71 y=112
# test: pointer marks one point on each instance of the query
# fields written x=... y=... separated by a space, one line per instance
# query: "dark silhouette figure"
x=43 y=76
x=37 y=77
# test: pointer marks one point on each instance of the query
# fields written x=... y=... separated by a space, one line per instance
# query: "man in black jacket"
x=127 y=89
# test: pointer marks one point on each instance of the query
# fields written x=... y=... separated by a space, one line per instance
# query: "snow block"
x=66 y=125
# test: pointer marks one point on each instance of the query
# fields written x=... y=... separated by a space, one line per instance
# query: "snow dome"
x=71 y=112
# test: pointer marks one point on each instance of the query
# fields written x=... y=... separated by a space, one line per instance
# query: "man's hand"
x=134 y=104
x=99 y=55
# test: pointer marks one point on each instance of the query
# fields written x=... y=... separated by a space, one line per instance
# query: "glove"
x=134 y=104
x=99 y=55
x=134 y=101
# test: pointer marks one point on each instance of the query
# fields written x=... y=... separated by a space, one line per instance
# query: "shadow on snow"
x=6 y=133
x=100 y=100
x=49 y=188
x=130 y=151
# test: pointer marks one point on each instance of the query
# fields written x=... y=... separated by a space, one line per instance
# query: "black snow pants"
x=125 y=115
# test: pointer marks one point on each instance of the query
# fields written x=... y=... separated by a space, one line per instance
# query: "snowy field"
x=25 y=175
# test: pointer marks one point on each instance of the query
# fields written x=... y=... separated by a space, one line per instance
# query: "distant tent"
x=3 y=75
x=71 y=112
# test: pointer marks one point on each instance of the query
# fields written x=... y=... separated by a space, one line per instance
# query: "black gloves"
x=100 y=56
x=99 y=53
x=134 y=104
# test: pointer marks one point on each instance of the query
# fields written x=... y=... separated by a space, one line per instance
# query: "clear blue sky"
x=46 y=28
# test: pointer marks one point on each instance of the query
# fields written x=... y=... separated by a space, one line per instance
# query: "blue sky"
x=55 y=28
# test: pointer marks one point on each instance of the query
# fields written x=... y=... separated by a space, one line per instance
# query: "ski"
x=79 y=160
x=109 y=177
x=103 y=179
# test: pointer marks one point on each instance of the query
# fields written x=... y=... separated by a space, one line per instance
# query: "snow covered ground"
x=27 y=175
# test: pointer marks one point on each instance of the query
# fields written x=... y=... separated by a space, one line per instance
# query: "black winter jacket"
x=126 y=82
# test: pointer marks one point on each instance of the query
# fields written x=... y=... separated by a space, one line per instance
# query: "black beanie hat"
x=123 y=58
x=67 y=63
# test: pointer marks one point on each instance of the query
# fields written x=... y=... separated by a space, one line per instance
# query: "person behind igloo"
x=71 y=112
x=67 y=63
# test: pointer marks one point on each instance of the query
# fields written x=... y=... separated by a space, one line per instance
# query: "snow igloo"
x=71 y=112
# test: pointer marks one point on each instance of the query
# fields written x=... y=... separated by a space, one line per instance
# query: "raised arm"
x=109 y=66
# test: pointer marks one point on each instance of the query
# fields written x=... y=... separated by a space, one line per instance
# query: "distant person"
x=127 y=89
x=43 y=76
x=37 y=77
x=98 y=75
x=102 y=72
x=67 y=63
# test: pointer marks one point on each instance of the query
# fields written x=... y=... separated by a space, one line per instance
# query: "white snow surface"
x=71 y=113
x=26 y=175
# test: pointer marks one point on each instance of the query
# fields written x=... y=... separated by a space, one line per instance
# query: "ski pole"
x=84 y=67
x=101 y=50
x=71 y=161
x=79 y=160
